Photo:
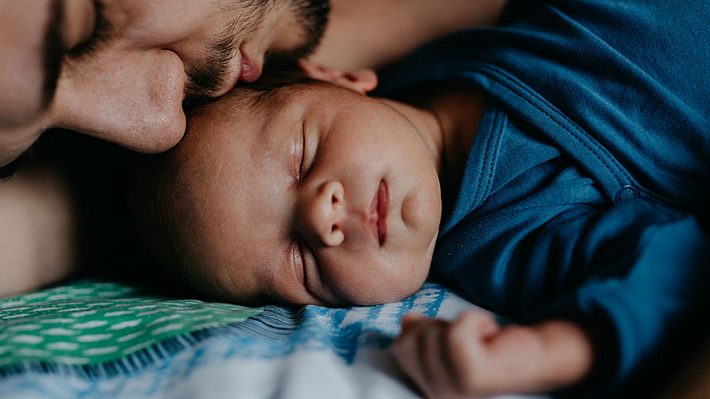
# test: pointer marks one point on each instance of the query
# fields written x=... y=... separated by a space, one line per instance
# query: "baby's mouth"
x=383 y=204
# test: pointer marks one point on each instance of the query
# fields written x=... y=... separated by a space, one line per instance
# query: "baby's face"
x=317 y=195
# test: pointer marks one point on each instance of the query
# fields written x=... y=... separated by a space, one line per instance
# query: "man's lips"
x=246 y=70
x=251 y=71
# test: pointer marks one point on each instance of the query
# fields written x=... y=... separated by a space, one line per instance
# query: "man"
x=119 y=70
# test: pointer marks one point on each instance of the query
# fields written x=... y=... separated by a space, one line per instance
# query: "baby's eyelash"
x=298 y=259
x=298 y=156
x=305 y=258
x=303 y=155
x=300 y=249
x=303 y=262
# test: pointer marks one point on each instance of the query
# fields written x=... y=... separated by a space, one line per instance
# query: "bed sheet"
x=168 y=348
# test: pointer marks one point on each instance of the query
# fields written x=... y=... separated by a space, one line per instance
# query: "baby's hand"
x=474 y=356
x=447 y=359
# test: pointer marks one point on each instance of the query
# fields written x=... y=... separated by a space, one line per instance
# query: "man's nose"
x=130 y=98
x=323 y=214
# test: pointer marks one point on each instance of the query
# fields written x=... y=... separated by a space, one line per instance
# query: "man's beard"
x=207 y=76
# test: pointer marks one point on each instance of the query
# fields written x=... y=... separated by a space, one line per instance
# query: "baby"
x=312 y=193
x=291 y=196
x=316 y=194
x=487 y=176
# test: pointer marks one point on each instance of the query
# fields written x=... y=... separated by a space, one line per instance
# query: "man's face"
x=120 y=69
x=317 y=195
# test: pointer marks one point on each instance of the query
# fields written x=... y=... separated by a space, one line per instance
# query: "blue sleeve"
x=646 y=284
x=631 y=275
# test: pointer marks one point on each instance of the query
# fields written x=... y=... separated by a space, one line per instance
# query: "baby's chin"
x=394 y=295
x=406 y=284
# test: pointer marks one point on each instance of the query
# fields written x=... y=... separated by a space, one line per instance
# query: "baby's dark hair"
x=282 y=74
x=150 y=200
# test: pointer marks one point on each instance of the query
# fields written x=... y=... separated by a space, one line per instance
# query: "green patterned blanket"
x=90 y=322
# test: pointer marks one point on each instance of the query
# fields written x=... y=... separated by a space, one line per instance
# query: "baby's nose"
x=324 y=214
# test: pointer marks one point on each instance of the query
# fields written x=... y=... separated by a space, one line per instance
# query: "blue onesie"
x=581 y=193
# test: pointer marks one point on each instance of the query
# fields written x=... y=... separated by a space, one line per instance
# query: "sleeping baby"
x=484 y=175
x=277 y=198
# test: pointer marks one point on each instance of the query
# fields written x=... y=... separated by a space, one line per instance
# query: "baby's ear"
x=361 y=81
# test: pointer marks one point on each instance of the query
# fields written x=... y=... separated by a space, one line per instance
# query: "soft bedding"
x=93 y=339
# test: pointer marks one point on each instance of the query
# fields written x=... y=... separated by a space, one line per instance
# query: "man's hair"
x=314 y=14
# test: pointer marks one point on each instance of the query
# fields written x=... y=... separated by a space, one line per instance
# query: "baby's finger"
x=406 y=355
x=462 y=350
x=439 y=374
x=411 y=319
x=477 y=323
x=419 y=355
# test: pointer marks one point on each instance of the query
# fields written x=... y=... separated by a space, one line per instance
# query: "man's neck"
x=448 y=119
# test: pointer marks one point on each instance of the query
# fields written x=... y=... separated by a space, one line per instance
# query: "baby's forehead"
x=252 y=118
x=241 y=111
x=235 y=151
